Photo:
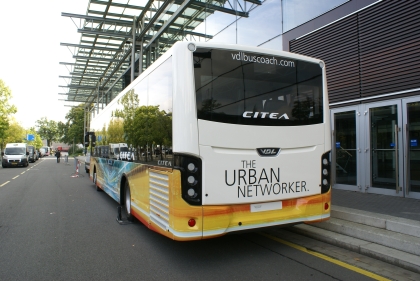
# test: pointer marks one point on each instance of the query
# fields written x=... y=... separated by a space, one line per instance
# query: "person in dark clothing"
x=58 y=155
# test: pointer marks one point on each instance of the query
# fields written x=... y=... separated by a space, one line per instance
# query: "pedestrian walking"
x=58 y=155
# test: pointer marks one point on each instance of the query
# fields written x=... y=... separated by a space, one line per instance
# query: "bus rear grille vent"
x=159 y=199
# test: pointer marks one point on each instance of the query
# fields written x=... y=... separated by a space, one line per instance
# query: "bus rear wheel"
x=126 y=202
x=95 y=181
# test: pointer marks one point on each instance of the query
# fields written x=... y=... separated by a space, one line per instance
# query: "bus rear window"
x=257 y=89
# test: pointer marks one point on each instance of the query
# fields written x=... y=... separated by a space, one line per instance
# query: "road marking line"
x=327 y=258
x=15 y=177
x=22 y=173
x=4 y=183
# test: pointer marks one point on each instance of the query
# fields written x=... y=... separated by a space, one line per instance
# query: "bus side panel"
x=219 y=220
x=107 y=176
x=155 y=196
x=137 y=176
x=169 y=213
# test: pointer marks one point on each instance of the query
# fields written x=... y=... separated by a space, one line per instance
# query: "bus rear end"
x=263 y=138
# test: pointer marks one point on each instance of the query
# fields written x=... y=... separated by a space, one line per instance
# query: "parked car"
x=41 y=152
x=32 y=153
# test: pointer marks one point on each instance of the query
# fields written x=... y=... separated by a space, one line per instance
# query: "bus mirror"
x=86 y=140
x=93 y=140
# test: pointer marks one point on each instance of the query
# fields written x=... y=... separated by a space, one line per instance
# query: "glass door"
x=412 y=146
x=376 y=147
x=345 y=124
x=383 y=147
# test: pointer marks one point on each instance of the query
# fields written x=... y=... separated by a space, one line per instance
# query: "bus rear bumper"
x=215 y=221
x=219 y=220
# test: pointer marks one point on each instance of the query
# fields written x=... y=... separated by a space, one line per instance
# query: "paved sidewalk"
x=383 y=204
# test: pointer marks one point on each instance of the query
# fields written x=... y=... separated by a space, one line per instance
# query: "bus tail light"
x=325 y=172
x=191 y=184
x=191 y=222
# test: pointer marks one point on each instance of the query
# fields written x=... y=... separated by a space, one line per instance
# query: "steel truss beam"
x=103 y=55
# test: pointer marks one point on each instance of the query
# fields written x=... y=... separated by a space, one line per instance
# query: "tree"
x=152 y=127
x=116 y=130
x=37 y=142
x=130 y=103
x=4 y=126
x=6 y=110
x=62 y=131
x=48 y=130
x=102 y=136
x=15 y=132
x=162 y=130
x=73 y=129
x=144 y=119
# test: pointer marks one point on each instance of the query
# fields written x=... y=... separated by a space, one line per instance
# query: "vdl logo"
x=268 y=151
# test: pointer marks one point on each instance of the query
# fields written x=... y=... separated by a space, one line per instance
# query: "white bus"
x=249 y=138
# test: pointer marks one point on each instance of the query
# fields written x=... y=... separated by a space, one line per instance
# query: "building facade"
x=372 y=54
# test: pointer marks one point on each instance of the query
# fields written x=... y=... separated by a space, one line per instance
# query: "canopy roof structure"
x=121 y=38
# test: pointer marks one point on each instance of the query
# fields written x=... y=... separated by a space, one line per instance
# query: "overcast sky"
x=30 y=52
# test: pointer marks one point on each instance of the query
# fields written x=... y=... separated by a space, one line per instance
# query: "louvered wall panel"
x=373 y=52
x=389 y=35
x=337 y=45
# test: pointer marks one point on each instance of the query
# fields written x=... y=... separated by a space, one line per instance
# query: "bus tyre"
x=126 y=202
x=94 y=181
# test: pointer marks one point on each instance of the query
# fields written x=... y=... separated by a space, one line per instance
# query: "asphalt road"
x=54 y=226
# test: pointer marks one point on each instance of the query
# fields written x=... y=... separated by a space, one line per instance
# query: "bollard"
x=76 y=164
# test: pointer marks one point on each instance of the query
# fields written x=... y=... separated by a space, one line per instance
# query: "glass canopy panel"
x=263 y=23
x=297 y=12
x=216 y=22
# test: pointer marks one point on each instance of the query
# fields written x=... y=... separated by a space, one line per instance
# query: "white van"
x=15 y=154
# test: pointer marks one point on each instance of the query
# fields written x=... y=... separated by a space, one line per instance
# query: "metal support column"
x=84 y=120
x=141 y=49
x=133 y=50
x=97 y=98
